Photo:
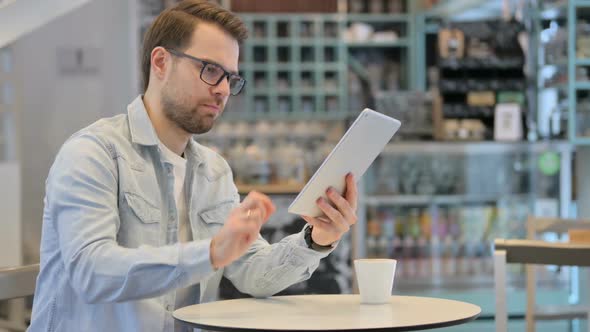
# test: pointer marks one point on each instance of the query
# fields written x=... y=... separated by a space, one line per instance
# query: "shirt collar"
x=143 y=132
x=140 y=125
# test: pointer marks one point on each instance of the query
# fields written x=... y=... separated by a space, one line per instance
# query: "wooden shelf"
x=582 y=85
x=384 y=200
x=582 y=62
x=380 y=18
x=271 y=189
x=399 y=43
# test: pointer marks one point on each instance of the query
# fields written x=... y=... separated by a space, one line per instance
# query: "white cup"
x=375 y=279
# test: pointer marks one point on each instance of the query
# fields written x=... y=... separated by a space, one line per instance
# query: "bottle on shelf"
x=462 y=265
x=388 y=227
x=373 y=234
x=409 y=259
x=435 y=256
x=423 y=258
x=448 y=257
x=397 y=254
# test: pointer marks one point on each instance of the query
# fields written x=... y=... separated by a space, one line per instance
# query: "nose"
x=221 y=89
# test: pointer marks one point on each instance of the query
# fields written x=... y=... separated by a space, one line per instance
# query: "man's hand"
x=338 y=217
x=241 y=229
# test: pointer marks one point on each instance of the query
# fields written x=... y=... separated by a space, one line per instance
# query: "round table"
x=327 y=313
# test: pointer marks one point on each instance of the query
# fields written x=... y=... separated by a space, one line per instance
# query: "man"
x=140 y=219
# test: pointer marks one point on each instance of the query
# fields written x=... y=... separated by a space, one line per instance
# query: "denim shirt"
x=110 y=259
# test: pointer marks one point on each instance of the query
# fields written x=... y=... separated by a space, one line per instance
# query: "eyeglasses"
x=213 y=74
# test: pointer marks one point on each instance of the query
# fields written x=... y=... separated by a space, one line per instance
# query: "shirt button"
x=169 y=307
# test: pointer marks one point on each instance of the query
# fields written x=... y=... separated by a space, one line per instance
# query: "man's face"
x=187 y=101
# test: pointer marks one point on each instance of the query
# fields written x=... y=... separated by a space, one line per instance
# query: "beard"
x=184 y=116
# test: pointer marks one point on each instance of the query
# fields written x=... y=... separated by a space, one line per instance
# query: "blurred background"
x=492 y=95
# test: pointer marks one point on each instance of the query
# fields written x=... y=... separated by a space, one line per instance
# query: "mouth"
x=212 y=108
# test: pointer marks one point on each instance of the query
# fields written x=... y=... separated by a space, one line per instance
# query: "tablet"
x=354 y=153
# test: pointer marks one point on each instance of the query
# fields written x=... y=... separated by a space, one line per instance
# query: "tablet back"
x=356 y=150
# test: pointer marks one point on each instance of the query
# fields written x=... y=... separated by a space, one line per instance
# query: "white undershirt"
x=179 y=170
x=184 y=296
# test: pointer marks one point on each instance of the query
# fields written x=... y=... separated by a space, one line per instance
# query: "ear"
x=159 y=60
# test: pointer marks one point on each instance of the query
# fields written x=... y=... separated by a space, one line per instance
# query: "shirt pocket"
x=214 y=217
x=140 y=221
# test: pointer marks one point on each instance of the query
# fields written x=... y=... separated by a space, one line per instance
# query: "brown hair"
x=173 y=28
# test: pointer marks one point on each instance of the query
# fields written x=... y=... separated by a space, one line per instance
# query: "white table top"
x=327 y=313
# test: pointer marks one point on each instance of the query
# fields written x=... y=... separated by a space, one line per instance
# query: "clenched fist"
x=241 y=229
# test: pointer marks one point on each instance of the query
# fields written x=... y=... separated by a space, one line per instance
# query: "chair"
x=15 y=284
x=531 y=252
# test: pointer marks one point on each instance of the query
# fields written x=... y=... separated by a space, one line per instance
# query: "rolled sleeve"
x=268 y=269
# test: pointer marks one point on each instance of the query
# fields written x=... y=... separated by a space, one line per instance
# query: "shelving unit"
x=579 y=119
x=462 y=269
x=287 y=63
x=473 y=81
x=297 y=66
x=548 y=52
